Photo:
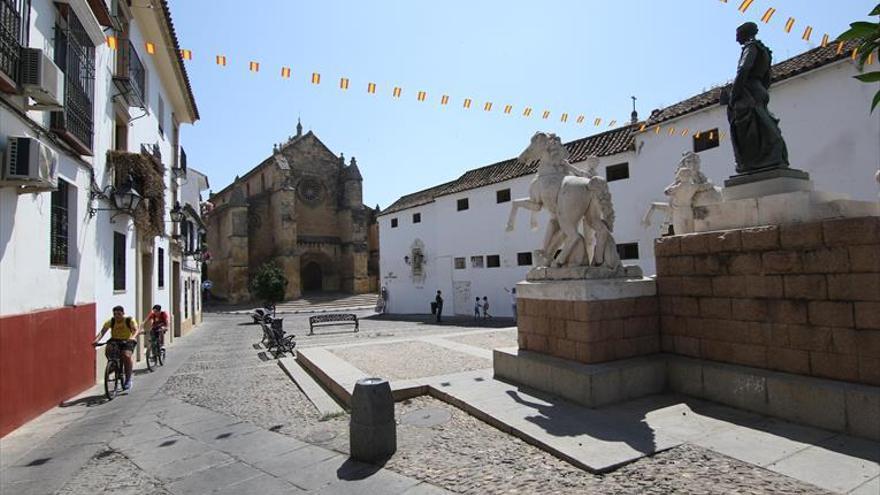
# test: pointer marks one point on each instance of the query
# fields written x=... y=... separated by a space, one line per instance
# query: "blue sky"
x=580 y=57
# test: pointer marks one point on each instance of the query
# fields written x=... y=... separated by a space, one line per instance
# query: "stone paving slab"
x=603 y=439
x=841 y=463
x=215 y=477
x=777 y=440
x=869 y=488
x=322 y=401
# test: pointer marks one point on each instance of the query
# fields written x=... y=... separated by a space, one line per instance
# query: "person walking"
x=477 y=308
x=486 y=314
x=512 y=292
x=438 y=301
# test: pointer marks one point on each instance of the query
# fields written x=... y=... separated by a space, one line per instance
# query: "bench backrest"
x=333 y=317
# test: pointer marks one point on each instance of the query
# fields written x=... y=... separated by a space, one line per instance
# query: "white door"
x=462 y=301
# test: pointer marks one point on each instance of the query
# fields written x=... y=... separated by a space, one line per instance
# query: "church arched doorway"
x=311 y=277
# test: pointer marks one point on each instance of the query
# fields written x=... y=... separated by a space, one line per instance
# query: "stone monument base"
x=776 y=199
x=759 y=184
x=591 y=385
x=588 y=320
x=830 y=404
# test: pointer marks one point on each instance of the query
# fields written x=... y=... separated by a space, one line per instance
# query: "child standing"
x=477 y=307
x=486 y=314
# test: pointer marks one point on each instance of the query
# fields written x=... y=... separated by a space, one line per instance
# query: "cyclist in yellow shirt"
x=123 y=333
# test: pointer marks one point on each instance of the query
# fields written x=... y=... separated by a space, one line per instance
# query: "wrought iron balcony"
x=75 y=54
x=131 y=77
x=180 y=170
x=14 y=16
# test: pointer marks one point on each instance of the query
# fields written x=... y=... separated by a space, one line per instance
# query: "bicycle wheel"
x=151 y=355
x=112 y=380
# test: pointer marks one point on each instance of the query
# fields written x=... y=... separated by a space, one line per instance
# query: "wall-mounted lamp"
x=177 y=214
x=124 y=199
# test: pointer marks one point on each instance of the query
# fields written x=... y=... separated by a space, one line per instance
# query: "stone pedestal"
x=776 y=197
x=761 y=184
x=588 y=320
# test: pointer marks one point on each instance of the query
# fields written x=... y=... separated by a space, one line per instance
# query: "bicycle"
x=155 y=351
x=114 y=372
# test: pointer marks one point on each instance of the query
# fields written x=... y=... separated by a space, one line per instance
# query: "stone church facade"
x=302 y=207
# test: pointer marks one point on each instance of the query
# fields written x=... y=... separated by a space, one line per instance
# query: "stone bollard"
x=372 y=432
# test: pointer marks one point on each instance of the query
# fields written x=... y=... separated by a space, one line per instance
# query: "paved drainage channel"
x=426 y=417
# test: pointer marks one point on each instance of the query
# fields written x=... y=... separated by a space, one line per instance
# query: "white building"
x=68 y=252
x=458 y=228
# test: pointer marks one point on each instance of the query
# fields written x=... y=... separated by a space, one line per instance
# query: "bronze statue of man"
x=754 y=131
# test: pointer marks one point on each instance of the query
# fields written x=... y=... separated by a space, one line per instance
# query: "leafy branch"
x=868 y=34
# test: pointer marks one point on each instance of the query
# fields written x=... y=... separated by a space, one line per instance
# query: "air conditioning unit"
x=28 y=162
x=41 y=79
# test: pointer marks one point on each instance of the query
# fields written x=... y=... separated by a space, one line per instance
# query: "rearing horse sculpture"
x=572 y=197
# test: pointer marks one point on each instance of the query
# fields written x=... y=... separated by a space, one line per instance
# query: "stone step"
x=322 y=400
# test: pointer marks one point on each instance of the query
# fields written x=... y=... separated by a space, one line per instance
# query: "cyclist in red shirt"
x=157 y=322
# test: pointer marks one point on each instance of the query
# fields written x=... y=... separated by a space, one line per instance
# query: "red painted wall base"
x=45 y=358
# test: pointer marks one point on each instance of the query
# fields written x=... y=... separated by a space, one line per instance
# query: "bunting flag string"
x=422 y=96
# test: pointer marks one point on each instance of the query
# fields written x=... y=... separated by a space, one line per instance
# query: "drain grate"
x=320 y=436
x=426 y=417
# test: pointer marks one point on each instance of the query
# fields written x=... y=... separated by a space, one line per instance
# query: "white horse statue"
x=572 y=197
x=690 y=189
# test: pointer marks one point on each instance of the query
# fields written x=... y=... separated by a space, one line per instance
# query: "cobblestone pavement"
x=493 y=340
x=223 y=371
x=110 y=472
x=405 y=360
x=463 y=455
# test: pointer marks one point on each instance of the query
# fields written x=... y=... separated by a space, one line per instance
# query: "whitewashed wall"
x=826 y=123
x=827 y=126
x=28 y=282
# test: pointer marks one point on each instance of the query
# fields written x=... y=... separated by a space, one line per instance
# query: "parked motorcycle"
x=264 y=314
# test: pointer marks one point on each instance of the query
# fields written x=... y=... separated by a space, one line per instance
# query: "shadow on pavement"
x=558 y=418
x=453 y=321
x=90 y=401
x=352 y=470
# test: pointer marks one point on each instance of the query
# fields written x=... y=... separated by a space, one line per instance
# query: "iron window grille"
x=118 y=261
x=706 y=140
x=617 y=172
x=524 y=259
x=161 y=275
x=628 y=251
x=131 y=76
x=59 y=225
x=502 y=196
x=75 y=55
x=493 y=261
x=417 y=218
x=460 y=264
x=393 y=223
x=14 y=27
x=462 y=204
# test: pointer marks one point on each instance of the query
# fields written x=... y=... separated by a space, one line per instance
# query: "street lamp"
x=177 y=214
x=124 y=199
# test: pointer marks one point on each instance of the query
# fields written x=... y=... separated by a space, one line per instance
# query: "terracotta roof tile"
x=603 y=144
x=192 y=99
x=799 y=64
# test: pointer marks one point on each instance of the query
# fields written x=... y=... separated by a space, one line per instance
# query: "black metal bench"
x=333 y=319
x=274 y=338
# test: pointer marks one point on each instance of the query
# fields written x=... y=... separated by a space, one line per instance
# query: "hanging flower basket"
x=147 y=175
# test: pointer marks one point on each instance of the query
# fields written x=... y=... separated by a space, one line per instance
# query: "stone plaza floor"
x=222 y=416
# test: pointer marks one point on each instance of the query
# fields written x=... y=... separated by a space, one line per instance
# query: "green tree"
x=268 y=283
x=868 y=34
